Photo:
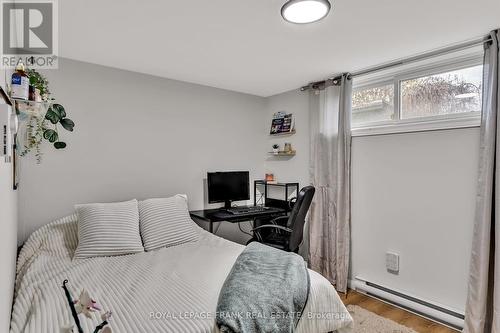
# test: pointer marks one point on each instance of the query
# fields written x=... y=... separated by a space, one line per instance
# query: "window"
x=441 y=96
x=371 y=104
x=452 y=92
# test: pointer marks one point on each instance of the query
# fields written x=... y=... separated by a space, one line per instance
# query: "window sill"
x=420 y=126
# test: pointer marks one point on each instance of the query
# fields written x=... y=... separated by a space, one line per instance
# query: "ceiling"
x=245 y=46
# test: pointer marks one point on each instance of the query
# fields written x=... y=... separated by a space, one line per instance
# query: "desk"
x=221 y=215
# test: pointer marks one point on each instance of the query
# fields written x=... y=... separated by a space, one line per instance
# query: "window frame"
x=417 y=124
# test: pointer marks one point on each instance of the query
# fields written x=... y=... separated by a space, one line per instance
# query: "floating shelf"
x=283 y=134
x=283 y=153
x=32 y=108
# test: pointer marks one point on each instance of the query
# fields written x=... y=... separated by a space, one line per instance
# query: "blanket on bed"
x=266 y=291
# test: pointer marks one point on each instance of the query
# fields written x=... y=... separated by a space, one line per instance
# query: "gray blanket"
x=266 y=291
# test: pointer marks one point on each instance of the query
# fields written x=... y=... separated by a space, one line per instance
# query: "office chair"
x=286 y=232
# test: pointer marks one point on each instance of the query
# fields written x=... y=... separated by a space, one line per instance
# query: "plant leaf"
x=52 y=116
x=60 y=145
x=59 y=109
x=68 y=124
x=50 y=135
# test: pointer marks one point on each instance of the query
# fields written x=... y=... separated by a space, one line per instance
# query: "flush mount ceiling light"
x=305 y=11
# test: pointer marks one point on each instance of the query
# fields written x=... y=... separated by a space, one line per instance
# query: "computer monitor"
x=228 y=186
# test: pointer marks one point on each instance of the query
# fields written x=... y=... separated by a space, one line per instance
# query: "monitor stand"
x=227 y=204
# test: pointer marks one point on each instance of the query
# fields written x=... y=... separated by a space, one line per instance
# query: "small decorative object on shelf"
x=269 y=177
x=39 y=85
x=87 y=306
x=19 y=83
x=287 y=151
x=39 y=116
x=282 y=123
x=276 y=149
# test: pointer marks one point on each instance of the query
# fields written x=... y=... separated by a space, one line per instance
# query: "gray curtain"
x=482 y=314
x=330 y=214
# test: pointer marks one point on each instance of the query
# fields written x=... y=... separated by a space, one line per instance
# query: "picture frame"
x=282 y=123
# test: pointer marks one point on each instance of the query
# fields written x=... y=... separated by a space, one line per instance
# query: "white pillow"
x=165 y=222
x=108 y=229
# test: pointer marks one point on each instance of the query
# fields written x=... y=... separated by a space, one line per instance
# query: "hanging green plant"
x=57 y=115
x=40 y=127
x=40 y=82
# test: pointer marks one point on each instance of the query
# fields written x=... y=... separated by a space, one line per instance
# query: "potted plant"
x=276 y=149
x=42 y=118
x=40 y=85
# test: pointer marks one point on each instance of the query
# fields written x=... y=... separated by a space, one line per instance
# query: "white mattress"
x=170 y=290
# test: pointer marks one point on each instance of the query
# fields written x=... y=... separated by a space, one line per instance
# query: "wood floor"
x=400 y=316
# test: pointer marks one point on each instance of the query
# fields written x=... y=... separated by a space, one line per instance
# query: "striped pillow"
x=108 y=229
x=165 y=222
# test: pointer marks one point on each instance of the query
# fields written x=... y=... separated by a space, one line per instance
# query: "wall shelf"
x=282 y=153
x=283 y=134
x=32 y=108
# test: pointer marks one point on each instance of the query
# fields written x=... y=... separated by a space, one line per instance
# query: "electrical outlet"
x=392 y=262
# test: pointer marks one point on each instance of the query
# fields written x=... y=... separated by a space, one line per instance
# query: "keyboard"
x=246 y=210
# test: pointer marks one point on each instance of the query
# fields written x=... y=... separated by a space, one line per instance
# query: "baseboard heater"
x=418 y=306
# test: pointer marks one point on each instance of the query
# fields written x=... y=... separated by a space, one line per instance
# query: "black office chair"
x=286 y=232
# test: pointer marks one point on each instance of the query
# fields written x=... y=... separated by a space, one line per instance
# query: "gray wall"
x=139 y=136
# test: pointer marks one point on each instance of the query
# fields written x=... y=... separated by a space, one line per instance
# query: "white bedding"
x=170 y=290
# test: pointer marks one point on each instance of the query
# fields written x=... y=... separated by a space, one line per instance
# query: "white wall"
x=139 y=136
x=296 y=168
x=289 y=169
x=8 y=242
x=414 y=194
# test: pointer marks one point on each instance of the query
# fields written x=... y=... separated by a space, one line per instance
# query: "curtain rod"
x=423 y=56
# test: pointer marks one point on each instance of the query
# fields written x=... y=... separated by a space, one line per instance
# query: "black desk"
x=221 y=215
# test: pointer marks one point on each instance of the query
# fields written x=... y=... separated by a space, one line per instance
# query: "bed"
x=173 y=289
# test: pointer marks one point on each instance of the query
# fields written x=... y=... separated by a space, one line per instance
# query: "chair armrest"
x=272 y=226
x=277 y=220
x=269 y=226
